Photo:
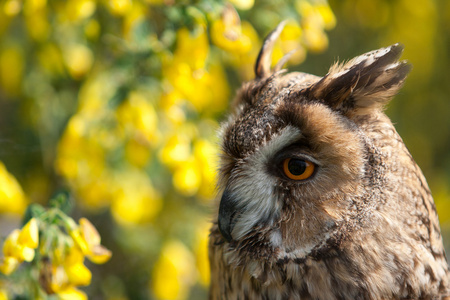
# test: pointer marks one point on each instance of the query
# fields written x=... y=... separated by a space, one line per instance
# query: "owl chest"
x=306 y=280
x=347 y=274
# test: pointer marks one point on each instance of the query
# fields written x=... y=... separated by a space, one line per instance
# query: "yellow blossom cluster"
x=12 y=197
x=19 y=246
x=88 y=140
x=65 y=267
x=174 y=272
x=127 y=94
x=316 y=18
x=59 y=257
x=142 y=128
x=177 y=268
x=238 y=37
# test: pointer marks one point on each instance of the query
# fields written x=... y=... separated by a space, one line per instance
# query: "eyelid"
x=299 y=155
x=275 y=166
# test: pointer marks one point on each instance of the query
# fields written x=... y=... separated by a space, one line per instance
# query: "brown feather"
x=363 y=226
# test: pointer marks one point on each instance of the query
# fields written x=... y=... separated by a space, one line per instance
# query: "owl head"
x=298 y=158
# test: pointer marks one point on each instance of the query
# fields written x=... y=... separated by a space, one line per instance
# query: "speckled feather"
x=363 y=227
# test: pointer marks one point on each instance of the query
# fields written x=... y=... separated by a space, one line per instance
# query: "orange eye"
x=298 y=169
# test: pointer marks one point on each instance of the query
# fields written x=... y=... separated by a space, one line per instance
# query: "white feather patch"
x=254 y=190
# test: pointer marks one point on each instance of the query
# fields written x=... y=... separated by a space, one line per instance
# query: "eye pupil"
x=297 y=166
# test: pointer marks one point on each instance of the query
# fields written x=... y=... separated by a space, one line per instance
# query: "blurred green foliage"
x=118 y=102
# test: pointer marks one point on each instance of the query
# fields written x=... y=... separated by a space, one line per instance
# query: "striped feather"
x=366 y=82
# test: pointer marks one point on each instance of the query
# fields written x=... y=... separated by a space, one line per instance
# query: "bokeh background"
x=117 y=103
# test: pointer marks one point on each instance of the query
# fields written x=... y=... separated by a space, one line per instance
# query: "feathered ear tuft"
x=264 y=60
x=366 y=82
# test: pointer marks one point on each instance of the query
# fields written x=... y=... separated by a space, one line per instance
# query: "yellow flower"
x=80 y=163
x=226 y=32
x=12 y=197
x=8 y=265
x=244 y=62
x=78 y=59
x=205 y=90
x=176 y=150
x=92 y=29
x=319 y=14
x=135 y=201
x=78 y=274
x=291 y=31
x=79 y=240
x=119 y=7
x=87 y=238
x=95 y=252
x=31 y=6
x=204 y=87
x=315 y=19
x=12 y=8
x=187 y=177
x=29 y=235
x=13 y=248
x=290 y=39
x=81 y=159
x=206 y=154
x=138 y=116
x=137 y=152
x=10 y=244
x=170 y=104
x=189 y=56
x=315 y=39
x=3 y=294
x=80 y=9
x=174 y=272
x=71 y=293
x=243 y=4
x=70 y=272
x=99 y=254
x=57 y=277
x=192 y=171
x=192 y=48
x=327 y=15
x=58 y=253
x=304 y=8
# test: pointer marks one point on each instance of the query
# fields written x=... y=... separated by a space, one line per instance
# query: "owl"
x=319 y=197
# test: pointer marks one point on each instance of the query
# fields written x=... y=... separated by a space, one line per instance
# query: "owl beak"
x=227 y=211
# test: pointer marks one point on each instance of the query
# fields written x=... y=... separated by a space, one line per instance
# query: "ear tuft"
x=263 y=62
x=366 y=82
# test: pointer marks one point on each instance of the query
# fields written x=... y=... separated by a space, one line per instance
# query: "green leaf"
x=120 y=96
x=62 y=201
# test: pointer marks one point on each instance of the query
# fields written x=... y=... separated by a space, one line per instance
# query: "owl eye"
x=298 y=169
